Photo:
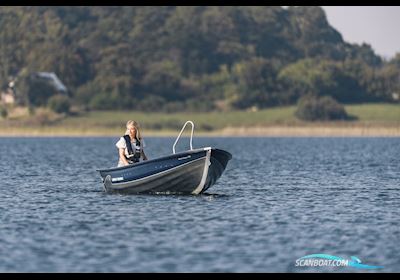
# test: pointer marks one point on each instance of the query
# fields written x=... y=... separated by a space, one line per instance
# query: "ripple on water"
x=278 y=201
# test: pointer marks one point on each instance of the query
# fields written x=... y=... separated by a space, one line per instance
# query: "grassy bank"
x=372 y=120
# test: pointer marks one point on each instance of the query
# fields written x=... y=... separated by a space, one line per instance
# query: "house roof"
x=54 y=79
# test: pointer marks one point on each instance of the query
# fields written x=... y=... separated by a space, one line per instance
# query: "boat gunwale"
x=155 y=160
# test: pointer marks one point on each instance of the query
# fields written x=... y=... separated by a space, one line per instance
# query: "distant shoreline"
x=373 y=120
x=315 y=131
x=320 y=130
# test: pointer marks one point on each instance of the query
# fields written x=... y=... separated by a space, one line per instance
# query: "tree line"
x=197 y=58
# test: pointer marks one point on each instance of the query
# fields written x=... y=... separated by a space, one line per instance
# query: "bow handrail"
x=191 y=136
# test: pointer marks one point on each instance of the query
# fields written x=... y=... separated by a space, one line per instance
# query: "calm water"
x=278 y=200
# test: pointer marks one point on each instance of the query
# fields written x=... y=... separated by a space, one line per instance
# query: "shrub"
x=59 y=104
x=31 y=110
x=312 y=108
x=3 y=112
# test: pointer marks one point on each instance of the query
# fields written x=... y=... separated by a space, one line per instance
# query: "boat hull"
x=191 y=172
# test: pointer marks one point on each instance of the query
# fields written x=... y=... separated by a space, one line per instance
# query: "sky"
x=378 y=26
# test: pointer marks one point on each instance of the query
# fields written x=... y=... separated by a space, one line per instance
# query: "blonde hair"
x=136 y=125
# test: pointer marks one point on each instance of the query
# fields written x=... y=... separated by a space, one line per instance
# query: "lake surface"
x=279 y=199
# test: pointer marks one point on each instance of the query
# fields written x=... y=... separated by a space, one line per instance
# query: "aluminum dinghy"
x=189 y=172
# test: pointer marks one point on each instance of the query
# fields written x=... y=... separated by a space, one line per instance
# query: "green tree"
x=256 y=81
x=39 y=91
x=311 y=76
x=59 y=104
x=3 y=112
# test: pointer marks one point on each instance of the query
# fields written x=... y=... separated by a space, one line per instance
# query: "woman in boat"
x=130 y=146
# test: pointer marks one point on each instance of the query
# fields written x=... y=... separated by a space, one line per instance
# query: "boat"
x=190 y=172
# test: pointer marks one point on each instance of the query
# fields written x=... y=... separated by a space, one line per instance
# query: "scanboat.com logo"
x=329 y=260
